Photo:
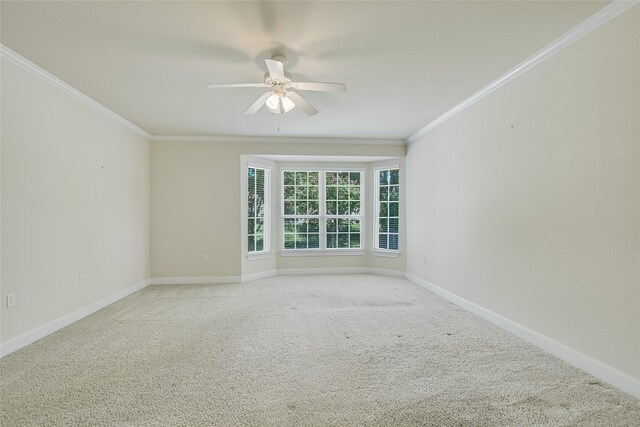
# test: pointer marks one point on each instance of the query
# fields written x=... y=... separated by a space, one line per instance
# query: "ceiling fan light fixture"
x=287 y=104
x=273 y=102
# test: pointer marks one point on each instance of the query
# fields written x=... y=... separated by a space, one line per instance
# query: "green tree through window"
x=321 y=210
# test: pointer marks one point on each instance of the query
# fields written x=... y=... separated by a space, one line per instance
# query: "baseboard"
x=51 y=327
x=340 y=270
x=318 y=270
x=609 y=374
x=194 y=280
x=256 y=276
x=203 y=280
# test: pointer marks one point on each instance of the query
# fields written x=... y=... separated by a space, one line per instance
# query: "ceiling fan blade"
x=258 y=104
x=226 y=85
x=300 y=102
x=276 y=68
x=320 y=87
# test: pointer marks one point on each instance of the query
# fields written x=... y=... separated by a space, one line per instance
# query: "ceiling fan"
x=281 y=98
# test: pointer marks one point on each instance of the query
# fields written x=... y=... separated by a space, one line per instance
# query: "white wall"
x=196 y=206
x=528 y=202
x=75 y=200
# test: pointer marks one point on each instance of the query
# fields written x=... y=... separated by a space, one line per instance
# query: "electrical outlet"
x=316 y=263
x=80 y=279
x=11 y=300
x=425 y=260
x=205 y=258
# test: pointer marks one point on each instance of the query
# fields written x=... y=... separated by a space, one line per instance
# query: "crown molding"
x=23 y=62
x=596 y=20
x=270 y=139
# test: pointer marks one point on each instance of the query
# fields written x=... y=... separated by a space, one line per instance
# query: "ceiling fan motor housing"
x=274 y=81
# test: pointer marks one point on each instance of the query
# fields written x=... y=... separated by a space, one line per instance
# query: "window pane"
x=301 y=208
x=313 y=178
x=393 y=208
x=354 y=226
x=289 y=241
x=301 y=178
x=314 y=208
x=393 y=241
x=354 y=240
x=393 y=225
x=332 y=241
x=332 y=192
x=260 y=182
x=331 y=178
x=332 y=208
x=289 y=208
x=383 y=177
x=314 y=241
x=382 y=240
x=383 y=225
x=259 y=208
x=384 y=209
x=332 y=225
x=343 y=225
x=355 y=208
x=394 y=193
x=301 y=193
x=301 y=226
x=383 y=195
x=289 y=192
x=251 y=226
x=343 y=178
x=259 y=226
x=251 y=206
x=314 y=193
x=289 y=178
x=289 y=225
x=343 y=207
x=395 y=177
x=354 y=193
x=313 y=225
x=343 y=193
x=355 y=178
x=343 y=240
x=259 y=243
x=251 y=180
x=301 y=241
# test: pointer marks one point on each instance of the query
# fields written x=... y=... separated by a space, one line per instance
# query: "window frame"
x=266 y=248
x=322 y=250
x=376 y=249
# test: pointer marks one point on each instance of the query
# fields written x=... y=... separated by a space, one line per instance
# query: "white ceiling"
x=404 y=63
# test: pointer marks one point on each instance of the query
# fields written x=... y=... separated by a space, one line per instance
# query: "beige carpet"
x=343 y=350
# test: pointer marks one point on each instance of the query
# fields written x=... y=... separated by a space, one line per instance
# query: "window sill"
x=251 y=256
x=386 y=254
x=322 y=252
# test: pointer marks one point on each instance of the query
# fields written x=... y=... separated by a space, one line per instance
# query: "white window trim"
x=251 y=256
x=266 y=251
x=386 y=253
x=323 y=250
x=376 y=251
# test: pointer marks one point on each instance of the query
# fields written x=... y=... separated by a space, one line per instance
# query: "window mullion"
x=322 y=196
